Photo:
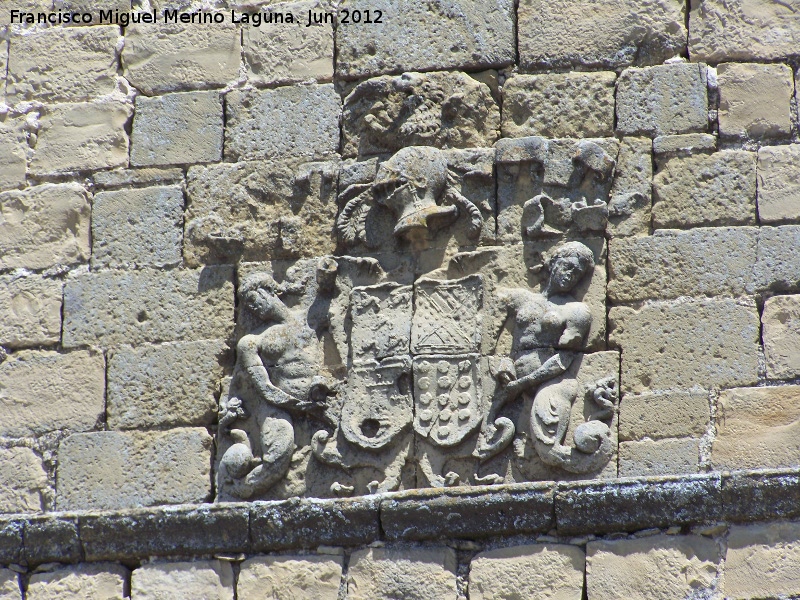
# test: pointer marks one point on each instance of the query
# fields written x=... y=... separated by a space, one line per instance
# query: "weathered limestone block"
x=569 y=105
x=98 y=581
x=177 y=129
x=207 y=579
x=30 y=311
x=781 y=334
x=43 y=391
x=91 y=6
x=779 y=183
x=659 y=567
x=137 y=177
x=670 y=263
x=757 y=428
x=662 y=100
x=112 y=308
x=117 y=469
x=754 y=100
x=290 y=577
x=716 y=189
x=43 y=226
x=676 y=413
x=283 y=53
x=294 y=121
x=721 y=30
x=260 y=210
x=419 y=35
x=446 y=110
x=666 y=147
x=678 y=344
x=554 y=570
x=23 y=481
x=62 y=64
x=777 y=267
x=170 y=57
x=13 y=151
x=629 y=207
x=82 y=137
x=402 y=572
x=763 y=561
x=137 y=227
x=595 y=33
x=659 y=457
x=166 y=385
x=9 y=585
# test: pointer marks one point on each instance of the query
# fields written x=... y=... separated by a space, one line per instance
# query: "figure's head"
x=567 y=266
x=259 y=293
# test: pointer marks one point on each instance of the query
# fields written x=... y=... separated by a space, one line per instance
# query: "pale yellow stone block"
x=9 y=585
x=23 y=481
x=206 y=579
x=659 y=457
x=781 y=333
x=13 y=148
x=659 y=415
x=290 y=578
x=754 y=100
x=779 y=183
x=30 y=311
x=87 y=581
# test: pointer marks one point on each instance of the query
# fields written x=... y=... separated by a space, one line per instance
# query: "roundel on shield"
x=446 y=397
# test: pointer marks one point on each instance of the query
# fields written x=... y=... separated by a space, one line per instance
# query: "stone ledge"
x=578 y=508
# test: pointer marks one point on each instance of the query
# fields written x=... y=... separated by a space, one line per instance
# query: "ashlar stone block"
x=62 y=64
x=13 y=150
x=294 y=121
x=668 y=456
x=116 y=469
x=23 y=481
x=757 y=428
x=42 y=391
x=420 y=35
x=312 y=577
x=207 y=579
x=676 y=413
x=30 y=311
x=594 y=33
x=681 y=343
x=662 y=100
x=630 y=203
x=44 y=225
x=412 y=573
x=137 y=227
x=98 y=581
x=779 y=183
x=658 y=567
x=702 y=190
x=112 y=308
x=754 y=100
x=781 y=333
x=172 y=57
x=177 y=129
x=529 y=571
x=562 y=105
x=9 y=585
x=777 y=268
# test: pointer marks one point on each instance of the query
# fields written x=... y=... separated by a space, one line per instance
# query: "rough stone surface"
x=684 y=144
x=112 y=308
x=599 y=34
x=13 y=153
x=664 y=414
x=754 y=100
x=568 y=105
x=170 y=57
x=166 y=385
x=177 y=129
x=42 y=64
x=660 y=457
x=402 y=572
x=762 y=561
x=760 y=496
x=715 y=189
x=781 y=334
x=630 y=204
x=259 y=210
x=669 y=264
x=42 y=391
x=779 y=183
x=662 y=100
x=776 y=269
x=111 y=469
x=43 y=226
x=535 y=571
x=9 y=585
x=137 y=227
x=466 y=36
x=290 y=578
x=757 y=428
x=23 y=482
x=82 y=137
x=292 y=121
x=721 y=30
x=97 y=581
x=658 y=567
x=51 y=539
x=210 y=580
x=283 y=53
x=133 y=177
x=30 y=311
x=669 y=345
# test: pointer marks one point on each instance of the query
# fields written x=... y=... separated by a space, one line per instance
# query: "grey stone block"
x=51 y=539
x=749 y=496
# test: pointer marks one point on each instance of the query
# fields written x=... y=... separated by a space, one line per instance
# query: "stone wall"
x=418 y=268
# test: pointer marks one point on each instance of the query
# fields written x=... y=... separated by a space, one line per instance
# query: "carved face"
x=565 y=273
x=266 y=305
